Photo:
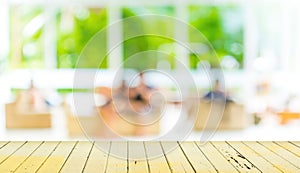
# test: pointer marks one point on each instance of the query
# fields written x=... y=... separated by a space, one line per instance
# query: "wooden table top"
x=149 y=157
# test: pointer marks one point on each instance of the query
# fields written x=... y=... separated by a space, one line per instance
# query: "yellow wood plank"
x=196 y=157
x=156 y=159
x=283 y=153
x=2 y=144
x=149 y=157
x=261 y=163
x=98 y=158
x=277 y=161
x=78 y=158
x=288 y=146
x=137 y=158
x=219 y=162
x=296 y=143
x=56 y=160
x=175 y=157
x=17 y=158
x=37 y=158
x=9 y=149
x=238 y=160
x=117 y=159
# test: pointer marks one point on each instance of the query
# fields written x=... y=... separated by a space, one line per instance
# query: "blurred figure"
x=31 y=99
x=128 y=104
x=142 y=92
x=103 y=96
x=122 y=91
x=217 y=93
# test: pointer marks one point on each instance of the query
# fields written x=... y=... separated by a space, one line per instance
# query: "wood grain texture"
x=117 y=159
x=221 y=164
x=77 y=160
x=156 y=158
x=176 y=158
x=238 y=160
x=18 y=157
x=290 y=147
x=57 y=159
x=196 y=157
x=272 y=157
x=8 y=149
x=137 y=159
x=98 y=158
x=37 y=158
x=149 y=157
x=261 y=163
x=296 y=143
x=283 y=153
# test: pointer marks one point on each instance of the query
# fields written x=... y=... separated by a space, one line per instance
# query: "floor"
x=149 y=157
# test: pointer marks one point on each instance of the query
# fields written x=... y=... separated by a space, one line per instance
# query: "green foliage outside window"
x=26 y=37
x=85 y=23
x=215 y=23
x=145 y=43
x=222 y=26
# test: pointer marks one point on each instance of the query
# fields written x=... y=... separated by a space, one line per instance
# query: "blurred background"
x=257 y=45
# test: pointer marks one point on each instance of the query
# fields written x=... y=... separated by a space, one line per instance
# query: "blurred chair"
x=234 y=116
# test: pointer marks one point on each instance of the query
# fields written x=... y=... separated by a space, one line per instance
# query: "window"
x=27 y=23
x=224 y=34
x=148 y=42
x=76 y=26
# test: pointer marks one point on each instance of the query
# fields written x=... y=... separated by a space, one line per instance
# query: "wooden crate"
x=19 y=117
x=234 y=116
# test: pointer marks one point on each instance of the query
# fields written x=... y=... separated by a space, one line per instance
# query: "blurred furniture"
x=82 y=120
x=287 y=116
x=128 y=121
x=128 y=112
x=211 y=117
x=105 y=121
x=22 y=116
x=82 y=124
x=29 y=110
